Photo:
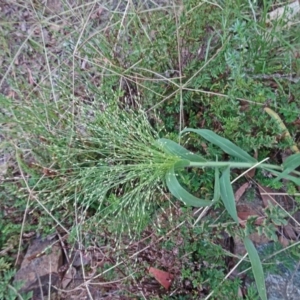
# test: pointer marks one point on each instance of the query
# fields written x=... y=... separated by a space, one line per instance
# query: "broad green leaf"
x=174 y=148
x=290 y=164
x=227 y=195
x=226 y=145
x=179 y=192
x=256 y=268
x=217 y=190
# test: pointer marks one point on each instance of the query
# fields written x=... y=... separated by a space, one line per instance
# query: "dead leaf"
x=240 y=191
x=240 y=293
x=239 y=247
x=283 y=241
x=244 y=212
x=266 y=198
x=11 y=94
x=84 y=63
x=53 y=6
x=68 y=277
x=97 y=14
x=49 y=172
x=205 y=147
x=259 y=239
x=30 y=77
x=243 y=216
x=164 y=278
x=289 y=232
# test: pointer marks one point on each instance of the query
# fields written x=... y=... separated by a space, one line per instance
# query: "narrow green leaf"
x=174 y=148
x=292 y=161
x=180 y=193
x=227 y=194
x=256 y=268
x=226 y=145
x=217 y=190
x=286 y=176
x=290 y=164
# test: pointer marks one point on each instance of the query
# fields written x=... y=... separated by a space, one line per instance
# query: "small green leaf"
x=217 y=190
x=256 y=268
x=179 y=192
x=290 y=164
x=227 y=195
x=226 y=145
x=174 y=148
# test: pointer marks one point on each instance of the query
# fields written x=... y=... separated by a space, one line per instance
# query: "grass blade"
x=286 y=176
x=175 y=149
x=226 y=145
x=217 y=189
x=292 y=161
x=290 y=164
x=256 y=268
x=227 y=194
x=179 y=192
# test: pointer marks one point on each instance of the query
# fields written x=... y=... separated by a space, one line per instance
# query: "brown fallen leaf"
x=243 y=217
x=258 y=239
x=164 y=278
x=30 y=77
x=239 y=246
x=266 y=198
x=240 y=293
x=240 y=191
x=289 y=232
x=283 y=241
x=244 y=212
x=97 y=14
x=11 y=94
x=68 y=277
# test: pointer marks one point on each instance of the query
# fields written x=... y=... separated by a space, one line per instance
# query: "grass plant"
x=103 y=111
